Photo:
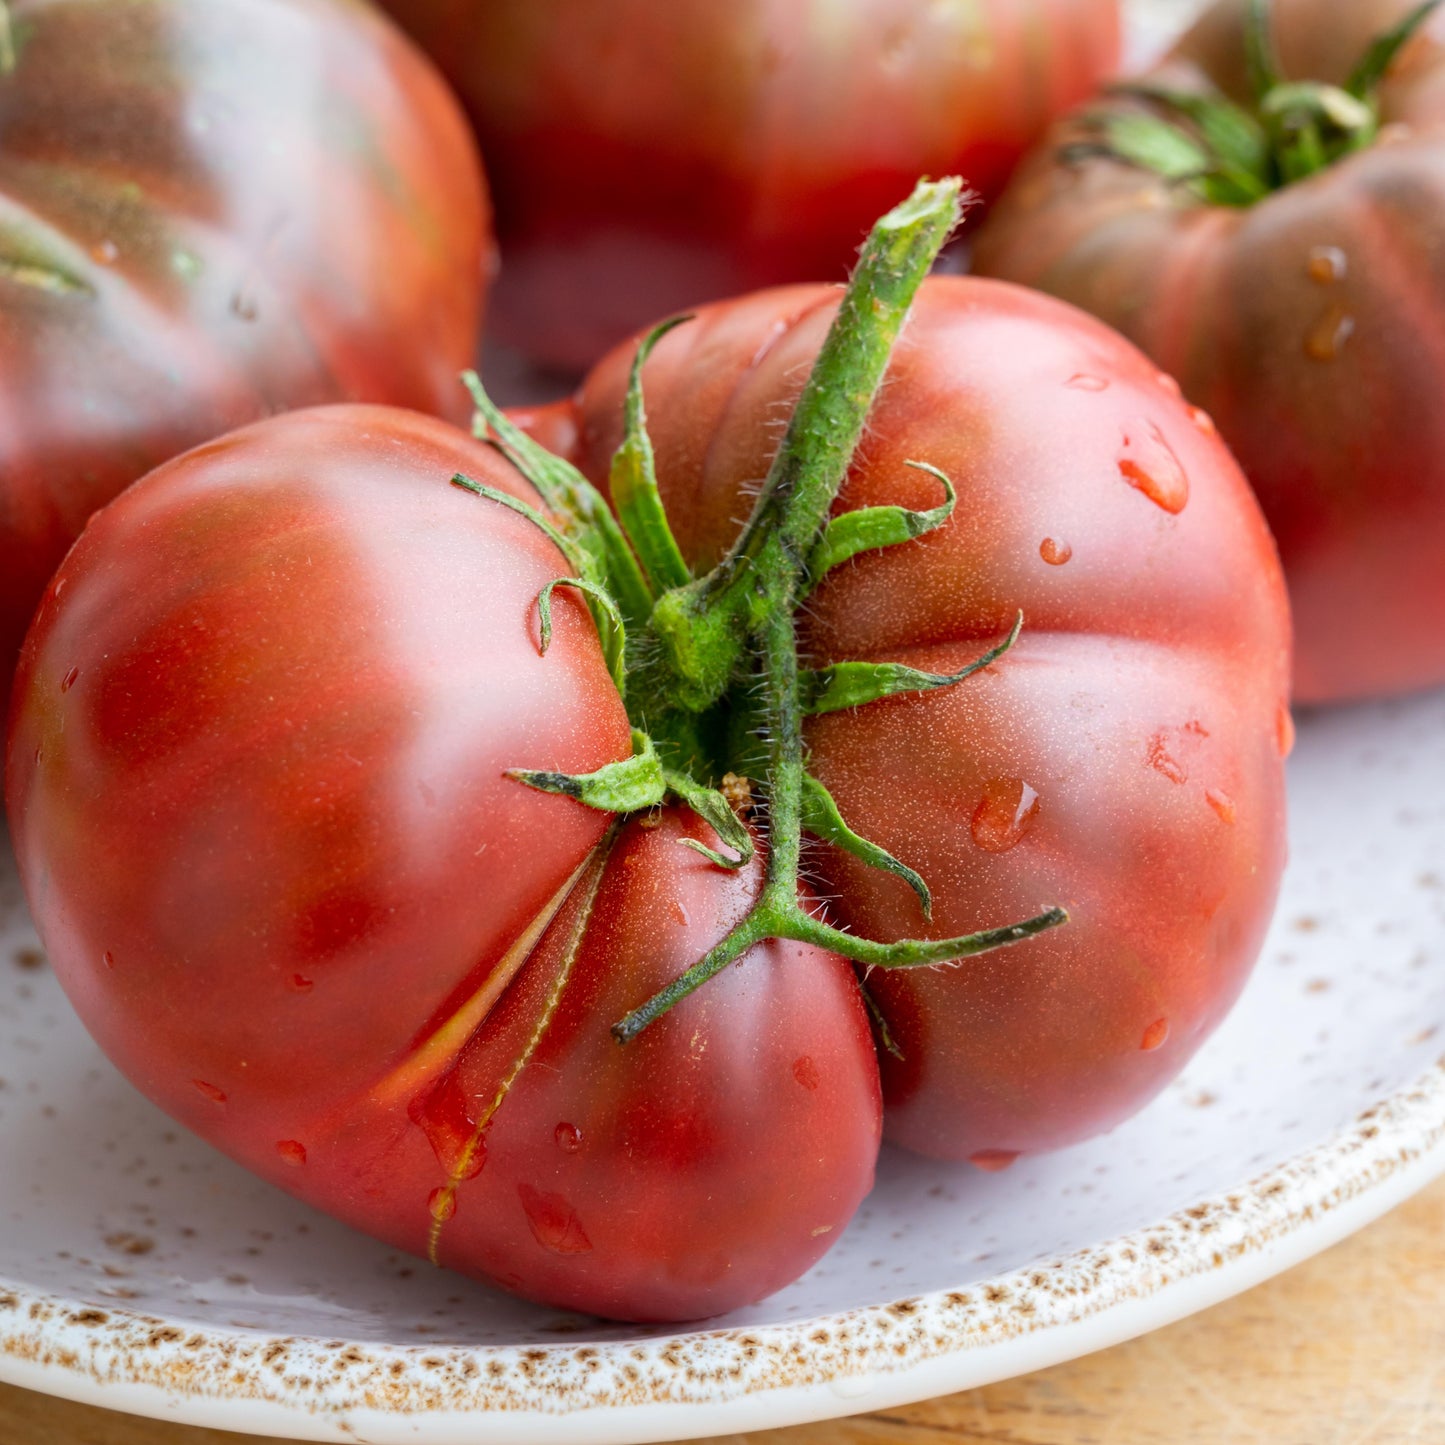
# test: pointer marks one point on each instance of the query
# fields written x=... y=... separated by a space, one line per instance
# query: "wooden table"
x=1349 y=1349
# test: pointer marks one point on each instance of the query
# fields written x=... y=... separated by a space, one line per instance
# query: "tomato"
x=312 y=761
x=256 y=784
x=1124 y=759
x=649 y=154
x=211 y=210
x=1301 y=313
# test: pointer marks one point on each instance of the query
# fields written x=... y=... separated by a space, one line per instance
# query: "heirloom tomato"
x=211 y=210
x=650 y=154
x=1124 y=759
x=1265 y=214
x=313 y=759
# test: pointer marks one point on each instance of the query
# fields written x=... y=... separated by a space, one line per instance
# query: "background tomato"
x=1123 y=760
x=648 y=155
x=211 y=210
x=256 y=783
x=1307 y=323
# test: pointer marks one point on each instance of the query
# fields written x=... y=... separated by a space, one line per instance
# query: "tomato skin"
x=210 y=212
x=1143 y=706
x=1305 y=325
x=256 y=785
x=255 y=769
x=648 y=155
x=606 y=1186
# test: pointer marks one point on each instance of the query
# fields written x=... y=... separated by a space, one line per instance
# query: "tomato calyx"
x=1235 y=155
x=708 y=666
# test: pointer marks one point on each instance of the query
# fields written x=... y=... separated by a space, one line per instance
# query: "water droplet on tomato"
x=292 y=1152
x=215 y=1095
x=59 y=586
x=442 y=1202
x=1083 y=381
x=1155 y=1035
x=301 y=983
x=568 y=1137
x=1284 y=730
x=1203 y=421
x=805 y=1071
x=679 y=912
x=1327 y=338
x=993 y=1161
x=1005 y=813
x=444 y=1115
x=1054 y=552
x=1169 y=384
x=1223 y=805
x=1163 y=761
x=105 y=253
x=554 y=1222
x=68 y=681
x=1150 y=465
x=108 y=958
x=1327 y=264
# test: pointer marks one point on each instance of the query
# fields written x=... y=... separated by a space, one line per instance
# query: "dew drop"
x=1203 y=421
x=444 y=1115
x=568 y=1137
x=1005 y=813
x=292 y=1152
x=108 y=958
x=679 y=912
x=1155 y=1035
x=1329 y=335
x=59 y=586
x=1169 y=384
x=554 y=1222
x=1284 y=730
x=1223 y=805
x=301 y=983
x=1054 y=552
x=105 y=253
x=215 y=1095
x=993 y=1161
x=1150 y=465
x=805 y=1071
x=1083 y=381
x=1327 y=264
x=1163 y=761
x=68 y=681
x=442 y=1202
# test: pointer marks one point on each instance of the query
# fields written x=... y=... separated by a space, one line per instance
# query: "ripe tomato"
x=256 y=782
x=211 y=210
x=1301 y=312
x=650 y=154
x=1124 y=759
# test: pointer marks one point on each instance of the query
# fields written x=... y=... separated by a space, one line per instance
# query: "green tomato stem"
x=703 y=629
x=1233 y=155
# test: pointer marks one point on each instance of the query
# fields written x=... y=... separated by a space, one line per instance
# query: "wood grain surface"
x=1348 y=1349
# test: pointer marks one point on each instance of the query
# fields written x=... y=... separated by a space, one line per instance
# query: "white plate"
x=142 y=1271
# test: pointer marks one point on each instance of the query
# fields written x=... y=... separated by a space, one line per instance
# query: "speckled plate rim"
x=704 y=1383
